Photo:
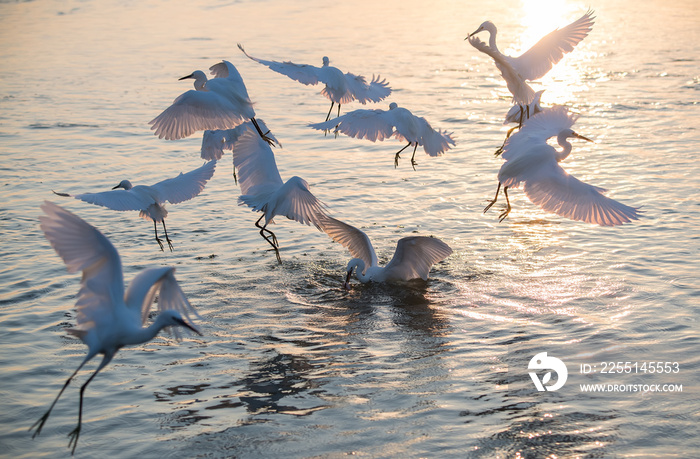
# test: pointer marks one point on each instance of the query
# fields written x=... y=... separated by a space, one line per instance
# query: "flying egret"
x=341 y=88
x=150 y=200
x=214 y=142
x=530 y=160
x=397 y=122
x=219 y=103
x=538 y=60
x=108 y=317
x=412 y=259
x=262 y=189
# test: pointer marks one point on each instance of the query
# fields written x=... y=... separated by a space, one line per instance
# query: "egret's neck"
x=566 y=148
x=492 y=37
x=146 y=334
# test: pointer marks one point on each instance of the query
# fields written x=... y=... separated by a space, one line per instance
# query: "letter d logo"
x=542 y=362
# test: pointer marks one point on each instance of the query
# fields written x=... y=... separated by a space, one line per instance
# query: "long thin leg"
x=158 y=240
x=338 y=110
x=75 y=434
x=328 y=116
x=413 y=158
x=396 y=158
x=263 y=135
x=235 y=179
x=273 y=242
x=39 y=424
x=507 y=211
x=508 y=134
x=495 y=198
x=170 y=244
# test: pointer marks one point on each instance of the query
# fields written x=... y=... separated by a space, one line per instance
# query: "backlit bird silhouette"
x=413 y=258
x=263 y=190
x=108 y=317
x=341 y=88
x=530 y=161
x=150 y=200
x=396 y=122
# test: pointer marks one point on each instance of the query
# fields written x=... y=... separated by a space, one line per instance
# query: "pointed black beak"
x=186 y=325
x=579 y=136
x=186 y=77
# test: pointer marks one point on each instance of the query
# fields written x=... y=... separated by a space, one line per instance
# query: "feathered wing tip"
x=353 y=239
x=437 y=142
x=299 y=204
x=415 y=255
x=214 y=142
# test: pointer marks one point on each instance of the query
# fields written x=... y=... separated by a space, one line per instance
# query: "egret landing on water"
x=531 y=161
x=413 y=258
x=109 y=318
x=150 y=200
x=341 y=88
x=219 y=103
x=263 y=190
x=397 y=122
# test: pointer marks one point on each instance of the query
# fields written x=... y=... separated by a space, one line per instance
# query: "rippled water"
x=290 y=365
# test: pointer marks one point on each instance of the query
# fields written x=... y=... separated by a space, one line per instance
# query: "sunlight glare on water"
x=291 y=364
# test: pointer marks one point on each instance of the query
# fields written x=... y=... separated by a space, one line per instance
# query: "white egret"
x=412 y=259
x=539 y=59
x=517 y=115
x=263 y=190
x=108 y=317
x=397 y=122
x=341 y=88
x=219 y=103
x=150 y=200
x=531 y=161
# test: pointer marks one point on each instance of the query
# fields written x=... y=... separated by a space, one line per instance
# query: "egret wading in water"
x=397 y=122
x=413 y=258
x=530 y=161
x=263 y=190
x=150 y=200
x=108 y=317
x=341 y=88
x=218 y=103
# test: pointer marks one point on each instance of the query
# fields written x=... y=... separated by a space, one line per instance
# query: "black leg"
x=508 y=134
x=75 y=434
x=413 y=158
x=42 y=420
x=158 y=240
x=396 y=158
x=328 y=116
x=507 y=211
x=170 y=244
x=495 y=198
x=270 y=237
x=263 y=135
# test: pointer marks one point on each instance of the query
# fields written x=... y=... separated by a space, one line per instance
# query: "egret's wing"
x=296 y=202
x=121 y=200
x=537 y=129
x=361 y=124
x=363 y=92
x=539 y=59
x=522 y=92
x=303 y=73
x=255 y=162
x=353 y=239
x=435 y=142
x=227 y=70
x=196 y=111
x=83 y=248
x=159 y=282
x=214 y=142
x=414 y=256
x=556 y=191
x=185 y=186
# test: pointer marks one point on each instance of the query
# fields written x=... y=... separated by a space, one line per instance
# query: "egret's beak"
x=579 y=136
x=115 y=187
x=346 y=284
x=474 y=33
x=186 y=325
x=186 y=77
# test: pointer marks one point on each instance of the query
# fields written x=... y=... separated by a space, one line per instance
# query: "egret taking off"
x=413 y=258
x=341 y=88
x=397 y=122
x=531 y=161
x=150 y=200
x=263 y=190
x=108 y=317
x=538 y=60
x=219 y=103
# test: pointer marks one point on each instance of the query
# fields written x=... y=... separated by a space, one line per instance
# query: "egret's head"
x=578 y=136
x=354 y=263
x=392 y=105
x=197 y=75
x=172 y=318
x=326 y=62
x=124 y=184
x=486 y=25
